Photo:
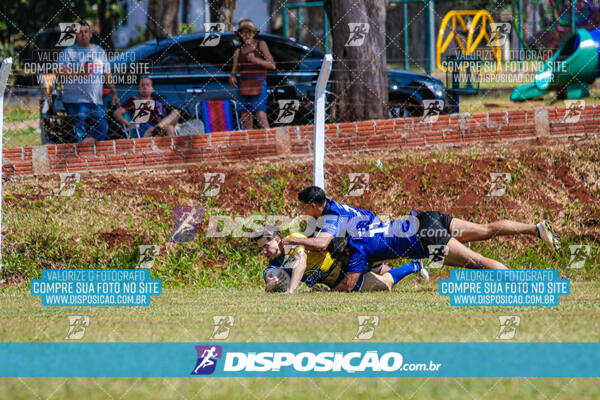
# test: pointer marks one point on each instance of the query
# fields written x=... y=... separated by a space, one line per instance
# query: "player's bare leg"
x=382 y=269
x=460 y=255
x=376 y=283
x=247 y=120
x=261 y=117
x=465 y=231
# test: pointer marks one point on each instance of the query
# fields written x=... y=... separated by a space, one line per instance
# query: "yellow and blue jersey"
x=320 y=267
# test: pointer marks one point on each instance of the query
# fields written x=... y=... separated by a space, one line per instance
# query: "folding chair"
x=217 y=115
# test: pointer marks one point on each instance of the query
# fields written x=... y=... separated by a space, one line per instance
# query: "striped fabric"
x=217 y=116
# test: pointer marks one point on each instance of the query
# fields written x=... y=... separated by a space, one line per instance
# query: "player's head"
x=145 y=87
x=312 y=201
x=338 y=249
x=84 y=36
x=269 y=242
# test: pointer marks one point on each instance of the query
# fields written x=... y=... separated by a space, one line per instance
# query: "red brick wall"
x=297 y=140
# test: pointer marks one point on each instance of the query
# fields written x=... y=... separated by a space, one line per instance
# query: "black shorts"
x=434 y=229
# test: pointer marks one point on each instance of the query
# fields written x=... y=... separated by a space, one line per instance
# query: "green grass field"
x=413 y=312
x=109 y=215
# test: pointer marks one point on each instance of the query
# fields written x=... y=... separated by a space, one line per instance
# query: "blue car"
x=189 y=69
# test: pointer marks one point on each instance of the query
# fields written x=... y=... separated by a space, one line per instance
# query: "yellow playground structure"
x=468 y=28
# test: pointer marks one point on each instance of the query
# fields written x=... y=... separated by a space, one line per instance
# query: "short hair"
x=269 y=232
x=337 y=246
x=312 y=194
x=144 y=77
x=83 y=22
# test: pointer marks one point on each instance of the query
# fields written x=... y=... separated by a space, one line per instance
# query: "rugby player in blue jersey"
x=292 y=265
x=410 y=238
x=428 y=230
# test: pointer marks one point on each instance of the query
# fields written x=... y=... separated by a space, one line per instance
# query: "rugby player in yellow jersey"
x=292 y=265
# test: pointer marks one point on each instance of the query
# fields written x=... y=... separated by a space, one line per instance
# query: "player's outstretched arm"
x=348 y=283
x=318 y=243
x=298 y=270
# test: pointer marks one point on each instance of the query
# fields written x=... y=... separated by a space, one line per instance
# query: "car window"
x=287 y=56
x=173 y=55
x=219 y=57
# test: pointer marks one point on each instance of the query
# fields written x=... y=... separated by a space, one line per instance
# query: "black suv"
x=188 y=69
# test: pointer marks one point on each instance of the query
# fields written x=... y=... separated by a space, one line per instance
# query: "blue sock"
x=400 y=272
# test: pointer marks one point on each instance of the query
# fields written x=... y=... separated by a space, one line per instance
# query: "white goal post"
x=319 y=135
x=4 y=73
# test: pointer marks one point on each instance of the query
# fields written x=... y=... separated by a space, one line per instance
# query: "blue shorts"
x=253 y=103
x=87 y=119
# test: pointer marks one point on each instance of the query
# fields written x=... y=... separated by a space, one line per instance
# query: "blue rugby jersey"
x=393 y=239
x=339 y=219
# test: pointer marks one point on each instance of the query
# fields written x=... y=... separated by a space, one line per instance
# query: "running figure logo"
x=77 y=325
x=207 y=359
x=68 y=30
x=357 y=183
x=223 y=323
x=432 y=109
x=187 y=220
x=508 y=326
x=212 y=183
x=142 y=111
x=358 y=33
x=499 y=182
x=68 y=183
x=148 y=254
x=579 y=255
x=287 y=111
x=437 y=252
x=366 y=326
x=213 y=33
x=499 y=33
x=573 y=111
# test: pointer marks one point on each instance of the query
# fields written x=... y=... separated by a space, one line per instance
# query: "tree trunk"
x=106 y=25
x=222 y=11
x=163 y=18
x=359 y=75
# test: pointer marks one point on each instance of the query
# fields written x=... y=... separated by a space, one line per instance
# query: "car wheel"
x=404 y=107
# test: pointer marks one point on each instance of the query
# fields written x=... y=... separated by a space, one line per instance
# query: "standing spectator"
x=162 y=117
x=85 y=67
x=252 y=60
